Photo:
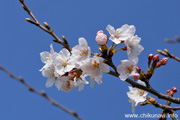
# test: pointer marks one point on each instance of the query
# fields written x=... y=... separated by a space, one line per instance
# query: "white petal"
x=131 y=95
x=57 y=59
x=50 y=82
x=138 y=49
x=51 y=48
x=59 y=69
x=91 y=82
x=141 y=82
x=98 y=80
x=105 y=68
x=44 y=56
x=139 y=99
x=126 y=62
x=44 y=67
x=133 y=57
x=132 y=29
x=135 y=40
x=47 y=72
x=123 y=77
x=110 y=29
x=69 y=67
x=115 y=40
x=58 y=83
x=133 y=106
x=80 y=87
x=64 y=53
x=128 y=30
x=83 y=42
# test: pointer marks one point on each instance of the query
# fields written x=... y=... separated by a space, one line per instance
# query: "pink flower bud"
x=124 y=48
x=150 y=57
x=101 y=38
x=163 y=61
x=138 y=69
x=174 y=89
x=99 y=32
x=156 y=58
x=168 y=91
x=136 y=76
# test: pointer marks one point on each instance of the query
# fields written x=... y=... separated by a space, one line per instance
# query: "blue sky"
x=21 y=44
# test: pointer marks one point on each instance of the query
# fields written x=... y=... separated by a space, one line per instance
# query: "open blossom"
x=126 y=69
x=63 y=62
x=77 y=77
x=136 y=95
x=46 y=57
x=64 y=84
x=82 y=51
x=94 y=67
x=51 y=74
x=121 y=34
x=101 y=38
x=67 y=83
x=133 y=48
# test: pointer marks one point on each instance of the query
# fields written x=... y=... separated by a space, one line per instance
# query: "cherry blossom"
x=63 y=62
x=49 y=73
x=82 y=51
x=136 y=95
x=64 y=84
x=133 y=48
x=46 y=57
x=121 y=34
x=126 y=69
x=94 y=67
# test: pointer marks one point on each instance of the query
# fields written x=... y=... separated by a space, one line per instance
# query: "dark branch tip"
x=30 y=89
x=74 y=113
x=43 y=93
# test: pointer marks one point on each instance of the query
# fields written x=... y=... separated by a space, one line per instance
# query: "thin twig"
x=166 y=107
x=42 y=93
x=47 y=28
x=166 y=53
x=173 y=41
x=150 y=90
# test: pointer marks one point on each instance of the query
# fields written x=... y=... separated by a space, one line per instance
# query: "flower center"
x=129 y=68
x=96 y=64
x=140 y=92
x=52 y=74
x=48 y=58
x=84 y=52
x=117 y=35
x=64 y=63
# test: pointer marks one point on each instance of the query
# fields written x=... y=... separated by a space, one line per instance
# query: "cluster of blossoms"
x=126 y=34
x=69 y=70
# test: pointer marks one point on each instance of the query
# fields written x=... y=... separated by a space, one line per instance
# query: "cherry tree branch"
x=166 y=107
x=47 y=28
x=42 y=93
x=173 y=41
x=166 y=53
x=148 y=89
